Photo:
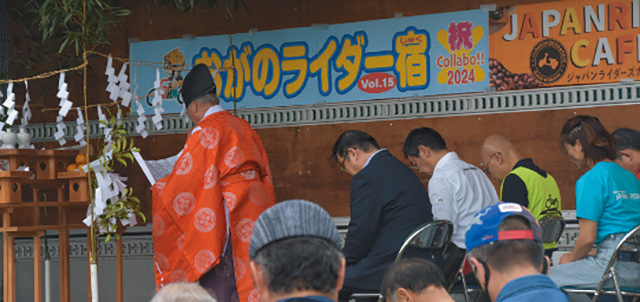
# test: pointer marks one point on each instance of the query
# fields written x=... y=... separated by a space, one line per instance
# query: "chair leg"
x=616 y=284
x=465 y=289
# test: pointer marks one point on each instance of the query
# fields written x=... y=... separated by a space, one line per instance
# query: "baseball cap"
x=292 y=218
x=484 y=227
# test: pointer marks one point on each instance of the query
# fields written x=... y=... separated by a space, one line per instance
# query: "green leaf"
x=129 y=156
x=108 y=238
x=124 y=163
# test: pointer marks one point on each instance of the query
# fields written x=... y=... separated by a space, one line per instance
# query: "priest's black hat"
x=197 y=83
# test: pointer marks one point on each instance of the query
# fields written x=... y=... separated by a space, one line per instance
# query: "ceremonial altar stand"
x=31 y=202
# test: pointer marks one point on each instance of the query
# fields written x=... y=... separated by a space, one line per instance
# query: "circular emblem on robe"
x=157 y=228
x=254 y=296
x=205 y=220
x=178 y=275
x=234 y=157
x=161 y=262
x=249 y=174
x=180 y=241
x=257 y=194
x=210 y=177
x=240 y=268
x=224 y=269
x=209 y=137
x=235 y=124
x=244 y=229
x=184 y=164
x=159 y=187
x=230 y=199
x=203 y=261
x=184 y=203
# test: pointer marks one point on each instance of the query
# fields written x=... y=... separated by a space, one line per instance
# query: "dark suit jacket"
x=388 y=202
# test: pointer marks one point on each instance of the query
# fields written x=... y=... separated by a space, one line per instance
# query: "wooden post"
x=37 y=268
x=119 y=275
x=7 y=251
x=11 y=267
x=89 y=264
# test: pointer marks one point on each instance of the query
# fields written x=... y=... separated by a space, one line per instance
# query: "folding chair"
x=463 y=270
x=552 y=228
x=428 y=237
x=629 y=250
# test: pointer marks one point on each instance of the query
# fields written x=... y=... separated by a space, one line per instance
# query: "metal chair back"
x=552 y=228
x=430 y=236
x=627 y=250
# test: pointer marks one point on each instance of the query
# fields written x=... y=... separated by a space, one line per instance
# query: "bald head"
x=499 y=156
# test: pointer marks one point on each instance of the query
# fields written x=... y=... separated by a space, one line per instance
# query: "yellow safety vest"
x=543 y=194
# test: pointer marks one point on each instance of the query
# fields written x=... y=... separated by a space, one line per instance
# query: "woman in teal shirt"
x=607 y=206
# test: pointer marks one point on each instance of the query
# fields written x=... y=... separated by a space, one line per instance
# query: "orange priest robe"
x=220 y=184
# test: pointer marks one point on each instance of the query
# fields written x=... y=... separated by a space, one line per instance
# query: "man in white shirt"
x=457 y=190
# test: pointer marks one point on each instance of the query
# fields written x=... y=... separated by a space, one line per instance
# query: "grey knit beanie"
x=292 y=218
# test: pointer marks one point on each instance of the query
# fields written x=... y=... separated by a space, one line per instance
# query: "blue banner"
x=392 y=58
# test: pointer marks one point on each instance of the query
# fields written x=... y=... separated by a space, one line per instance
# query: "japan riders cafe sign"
x=381 y=59
x=564 y=43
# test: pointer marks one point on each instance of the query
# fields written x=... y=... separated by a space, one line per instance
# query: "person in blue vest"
x=607 y=207
x=504 y=248
x=522 y=181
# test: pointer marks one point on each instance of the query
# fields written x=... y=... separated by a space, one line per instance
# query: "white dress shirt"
x=458 y=191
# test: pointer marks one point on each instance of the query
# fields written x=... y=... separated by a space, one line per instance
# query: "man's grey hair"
x=211 y=98
x=300 y=263
x=183 y=292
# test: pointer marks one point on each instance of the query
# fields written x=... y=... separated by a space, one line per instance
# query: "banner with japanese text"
x=392 y=58
x=564 y=43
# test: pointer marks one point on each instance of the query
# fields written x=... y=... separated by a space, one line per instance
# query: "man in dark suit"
x=388 y=202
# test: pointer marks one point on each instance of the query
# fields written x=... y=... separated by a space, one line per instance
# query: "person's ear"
x=499 y=158
x=478 y=270
x=424 y=152
x=258 y=276
x=545 y=265
x=352 y=151
x=404 y=295
x=579 y=145
x=341 y=273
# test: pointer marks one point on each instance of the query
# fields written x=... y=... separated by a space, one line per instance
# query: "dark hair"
x=300 y=263
x=627 y=139
x=353 y=139
x=596 y=142
x=422 y=137
x=414 y=274
x=502 y=255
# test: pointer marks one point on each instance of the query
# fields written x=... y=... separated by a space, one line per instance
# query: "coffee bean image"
x=503 y=79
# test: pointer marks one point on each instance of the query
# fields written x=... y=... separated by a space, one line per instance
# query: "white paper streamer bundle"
x=10 y=104
x=157 y=102
x=65 y=106
x=81 y=129
x=26 y=111
x=109 y=186
x=119 y=86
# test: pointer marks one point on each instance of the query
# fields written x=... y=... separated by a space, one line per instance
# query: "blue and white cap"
x=484 y=227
